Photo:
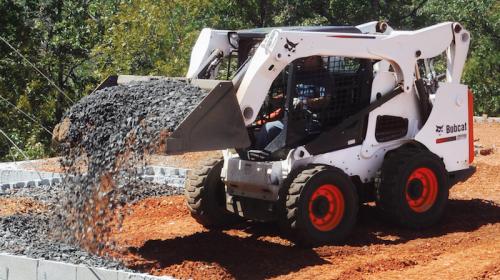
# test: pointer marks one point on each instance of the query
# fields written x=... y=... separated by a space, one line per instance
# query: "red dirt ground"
x=12 y=206
x=160 y=237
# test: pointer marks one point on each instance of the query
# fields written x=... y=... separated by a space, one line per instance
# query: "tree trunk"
x=60 y=98
x=376 y=8
x=262 y=12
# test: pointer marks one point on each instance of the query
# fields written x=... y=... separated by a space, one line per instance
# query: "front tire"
x=321 y=206
x=413 y=188
x=206 y=195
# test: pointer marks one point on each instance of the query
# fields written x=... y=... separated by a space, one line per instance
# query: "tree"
x=57 y=37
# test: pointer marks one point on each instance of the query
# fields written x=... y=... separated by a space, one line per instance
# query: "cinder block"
x=129 y=276
x=17 y=268
x=183 y=172
x=150 y=170
x=56 y=181
x=4 y=273
x=31 y=184
x=87 y=273
x=44 y=182
x=19 y=185
x=50 y=270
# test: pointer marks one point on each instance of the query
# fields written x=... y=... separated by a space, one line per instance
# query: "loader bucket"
x=216 y=123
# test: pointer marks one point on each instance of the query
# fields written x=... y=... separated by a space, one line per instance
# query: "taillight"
x=471 y=126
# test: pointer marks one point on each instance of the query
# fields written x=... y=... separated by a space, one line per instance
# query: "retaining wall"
x=23 y=268
x=485 y=119
x=11 y=178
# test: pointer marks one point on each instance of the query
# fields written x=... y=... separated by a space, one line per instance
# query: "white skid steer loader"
x=314 y=121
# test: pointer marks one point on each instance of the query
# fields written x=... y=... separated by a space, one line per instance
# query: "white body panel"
x=450 y=109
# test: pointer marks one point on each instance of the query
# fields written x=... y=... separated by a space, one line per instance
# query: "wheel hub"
x=421 y=190
x=415 y=189
x=320 y=206
x=326 y=207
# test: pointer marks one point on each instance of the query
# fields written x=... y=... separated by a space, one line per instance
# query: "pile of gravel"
x=32 y=235
x=109 y=133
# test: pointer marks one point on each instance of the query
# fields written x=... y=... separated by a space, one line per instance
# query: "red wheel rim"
x=326 y=207
x=421 y=189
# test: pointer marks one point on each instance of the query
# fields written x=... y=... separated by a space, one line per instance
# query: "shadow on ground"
x=254 y=257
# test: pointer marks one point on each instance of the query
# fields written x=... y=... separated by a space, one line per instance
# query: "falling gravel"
x=105 y=139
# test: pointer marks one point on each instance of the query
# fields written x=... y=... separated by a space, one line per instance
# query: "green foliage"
x=482 y=19
x=78 y=43
x=31 y=148
x=150 y=38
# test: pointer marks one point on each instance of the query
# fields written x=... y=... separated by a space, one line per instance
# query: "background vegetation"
x=78 y=43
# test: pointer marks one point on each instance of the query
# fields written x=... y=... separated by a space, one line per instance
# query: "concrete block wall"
x=171 y=176
x=20 y=178
x=24 y=268
x=485 y=119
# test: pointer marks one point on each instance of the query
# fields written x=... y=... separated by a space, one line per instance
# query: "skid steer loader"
x=313 y=121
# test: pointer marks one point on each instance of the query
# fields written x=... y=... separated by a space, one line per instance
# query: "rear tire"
x=413 y=188
x=206 y=195
x=321 y=205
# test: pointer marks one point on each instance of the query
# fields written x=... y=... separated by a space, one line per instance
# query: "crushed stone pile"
x=108 y=134
x=31 y=234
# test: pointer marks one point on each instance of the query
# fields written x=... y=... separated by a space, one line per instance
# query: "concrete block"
x=4 y=273
x=87 y=273
x=17 y=268
x=19 y=185
x=31 y=184
x=56 y=181
x=44 y=182
x=129 y=276
x=150 y=170
x=50 y=270
x=140 y=171
x=183 y=172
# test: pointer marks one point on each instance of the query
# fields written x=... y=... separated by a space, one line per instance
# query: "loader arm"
x=401 y=48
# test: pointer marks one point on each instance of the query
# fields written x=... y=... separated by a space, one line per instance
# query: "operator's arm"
x=318 y=103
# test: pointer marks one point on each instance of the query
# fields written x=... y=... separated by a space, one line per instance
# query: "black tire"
x=413 y=188
x=206 y=197
x=322 y=224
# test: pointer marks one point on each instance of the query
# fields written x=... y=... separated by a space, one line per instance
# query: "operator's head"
x=313 y=62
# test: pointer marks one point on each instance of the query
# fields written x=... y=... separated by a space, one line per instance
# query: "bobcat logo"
x=290 y=46
x=439 y=128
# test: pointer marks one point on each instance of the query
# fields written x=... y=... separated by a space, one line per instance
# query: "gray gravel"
x=32 y=234
x=110 y=131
